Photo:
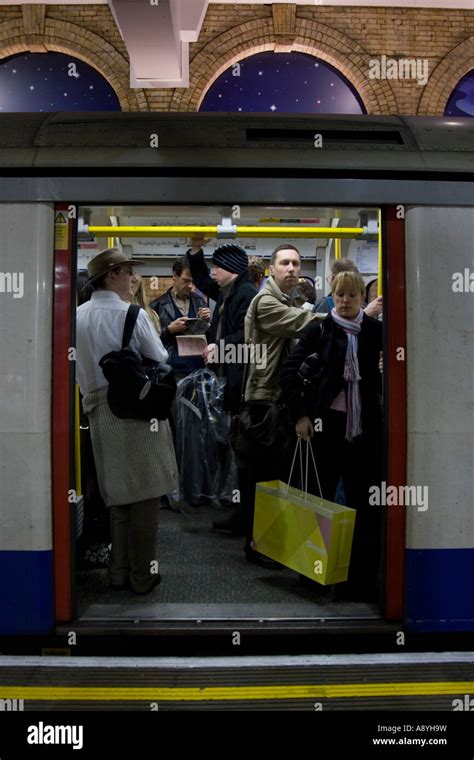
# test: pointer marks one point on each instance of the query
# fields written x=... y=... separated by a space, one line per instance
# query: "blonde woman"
x=170 y=500
x=140 y=298
x=333 y=376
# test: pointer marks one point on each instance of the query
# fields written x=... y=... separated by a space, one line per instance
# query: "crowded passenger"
x=135 y=464
x=230 y=287
x=333 y=376
x=93 y=545
x=371 y=290
x=256 y=270
x=174 y=308
x=307 y=293
x=141 y=299
x=272 y=321
x=372 y=308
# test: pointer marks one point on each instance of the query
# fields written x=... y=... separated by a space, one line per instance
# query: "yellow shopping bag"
x=303 y=532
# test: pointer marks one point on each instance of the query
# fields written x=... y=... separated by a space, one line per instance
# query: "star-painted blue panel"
x=461 y=101
x=282 y=83
x=53 y=82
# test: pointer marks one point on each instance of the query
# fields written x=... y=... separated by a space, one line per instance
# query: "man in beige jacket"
x=271 y=322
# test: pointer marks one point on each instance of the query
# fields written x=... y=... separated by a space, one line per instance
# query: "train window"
x=206 y=570
x=333 y=136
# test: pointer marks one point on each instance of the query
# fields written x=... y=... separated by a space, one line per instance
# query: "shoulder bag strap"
x=130 y=320
x=250 y=340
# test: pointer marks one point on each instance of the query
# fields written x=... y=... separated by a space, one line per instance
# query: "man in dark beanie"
x=229 y=285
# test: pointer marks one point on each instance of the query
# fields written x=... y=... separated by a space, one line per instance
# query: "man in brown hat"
x=135 y=462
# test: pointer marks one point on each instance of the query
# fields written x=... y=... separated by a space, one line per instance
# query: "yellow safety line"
x=241 y=232
x=206 y=694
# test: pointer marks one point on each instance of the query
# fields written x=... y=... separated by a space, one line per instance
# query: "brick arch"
x=80 y=43
x=312 y=37
x=453 y=67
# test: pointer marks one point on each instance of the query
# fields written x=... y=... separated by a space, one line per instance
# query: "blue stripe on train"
x=438 y=589
x=26 y=592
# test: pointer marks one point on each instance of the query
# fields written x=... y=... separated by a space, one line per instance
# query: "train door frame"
x=63 y=410
x=395 y=394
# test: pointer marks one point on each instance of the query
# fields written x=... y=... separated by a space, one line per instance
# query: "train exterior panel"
x=26 y=546
x=440 y=376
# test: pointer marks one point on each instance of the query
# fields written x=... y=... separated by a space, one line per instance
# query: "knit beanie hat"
x=231 y=257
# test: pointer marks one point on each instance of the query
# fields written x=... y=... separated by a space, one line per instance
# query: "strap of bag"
x=308 y=449
x=130 y=320
x=249 y=342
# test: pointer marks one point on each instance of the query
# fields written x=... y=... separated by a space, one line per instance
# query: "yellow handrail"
x=212 y=231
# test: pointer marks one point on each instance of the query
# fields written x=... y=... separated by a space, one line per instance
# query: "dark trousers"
x=258 y=470
x=359 y=464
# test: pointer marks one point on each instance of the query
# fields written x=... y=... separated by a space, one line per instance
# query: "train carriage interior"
x=205 y=574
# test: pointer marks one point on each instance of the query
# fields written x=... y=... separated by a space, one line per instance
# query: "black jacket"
x=164 y=307
x=233 y=317
x=329 y=340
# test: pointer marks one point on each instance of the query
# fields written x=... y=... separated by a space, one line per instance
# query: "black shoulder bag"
x=140 y=389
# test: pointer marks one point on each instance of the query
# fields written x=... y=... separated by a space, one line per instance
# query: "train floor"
x=205 y=574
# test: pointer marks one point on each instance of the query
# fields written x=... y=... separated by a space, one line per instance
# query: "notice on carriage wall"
x=364 y=253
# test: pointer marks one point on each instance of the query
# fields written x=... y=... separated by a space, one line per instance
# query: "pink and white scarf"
x=352 y=328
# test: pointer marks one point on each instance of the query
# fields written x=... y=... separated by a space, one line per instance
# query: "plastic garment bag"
x=203 y=452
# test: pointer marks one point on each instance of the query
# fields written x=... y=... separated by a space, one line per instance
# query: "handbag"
x=139 y=388
x=257 y=439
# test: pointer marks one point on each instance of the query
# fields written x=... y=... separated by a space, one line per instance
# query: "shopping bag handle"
x=308 y=449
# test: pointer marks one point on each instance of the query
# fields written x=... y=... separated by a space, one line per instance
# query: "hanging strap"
x=308 y=449
x=130 y=320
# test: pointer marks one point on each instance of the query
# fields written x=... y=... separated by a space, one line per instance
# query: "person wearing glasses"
x=135 y=461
